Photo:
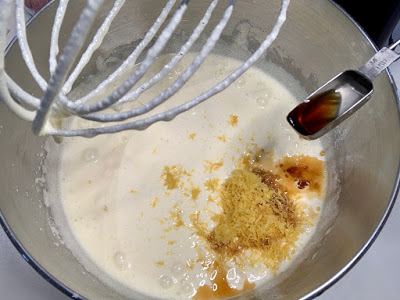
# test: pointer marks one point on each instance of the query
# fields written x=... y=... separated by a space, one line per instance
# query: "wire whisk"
x=55 y=105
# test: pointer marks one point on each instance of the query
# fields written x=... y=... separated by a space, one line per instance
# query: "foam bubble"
x=89 y=155
x=166 y=281
x=119 y=260
x=178 y=269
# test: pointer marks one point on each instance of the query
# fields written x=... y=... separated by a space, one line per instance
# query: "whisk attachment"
x=48 y=112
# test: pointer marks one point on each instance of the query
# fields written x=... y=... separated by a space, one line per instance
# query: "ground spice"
x=211 y=166
x=233 y=120
x=256 y=215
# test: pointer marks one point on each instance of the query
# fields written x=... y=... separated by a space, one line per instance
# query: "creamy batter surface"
x=134 y=201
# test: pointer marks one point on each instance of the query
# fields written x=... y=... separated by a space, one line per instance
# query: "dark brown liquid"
x=301 y=173
x=311 y=116
x=296 y=175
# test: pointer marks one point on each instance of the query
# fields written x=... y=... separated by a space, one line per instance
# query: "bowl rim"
x=10 y=234
x=314 y=293
x=395 y=192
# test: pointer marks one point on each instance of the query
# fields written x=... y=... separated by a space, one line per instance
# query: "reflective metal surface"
x=340 y=97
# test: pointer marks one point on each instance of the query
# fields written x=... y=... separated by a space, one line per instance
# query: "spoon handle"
x=380 y=61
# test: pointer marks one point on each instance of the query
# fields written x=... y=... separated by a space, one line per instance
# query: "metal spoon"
x=340 y=97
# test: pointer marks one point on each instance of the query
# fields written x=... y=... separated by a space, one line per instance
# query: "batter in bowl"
x=153 y=210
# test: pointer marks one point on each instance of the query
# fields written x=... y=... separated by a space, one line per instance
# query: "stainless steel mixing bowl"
x=317 y=42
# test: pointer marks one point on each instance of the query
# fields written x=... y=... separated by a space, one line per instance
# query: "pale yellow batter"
x=132 y=221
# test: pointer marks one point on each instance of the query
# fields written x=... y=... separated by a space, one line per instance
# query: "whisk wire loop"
x=55 y=106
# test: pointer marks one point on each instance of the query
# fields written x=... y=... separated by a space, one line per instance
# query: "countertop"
x=374 y=277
